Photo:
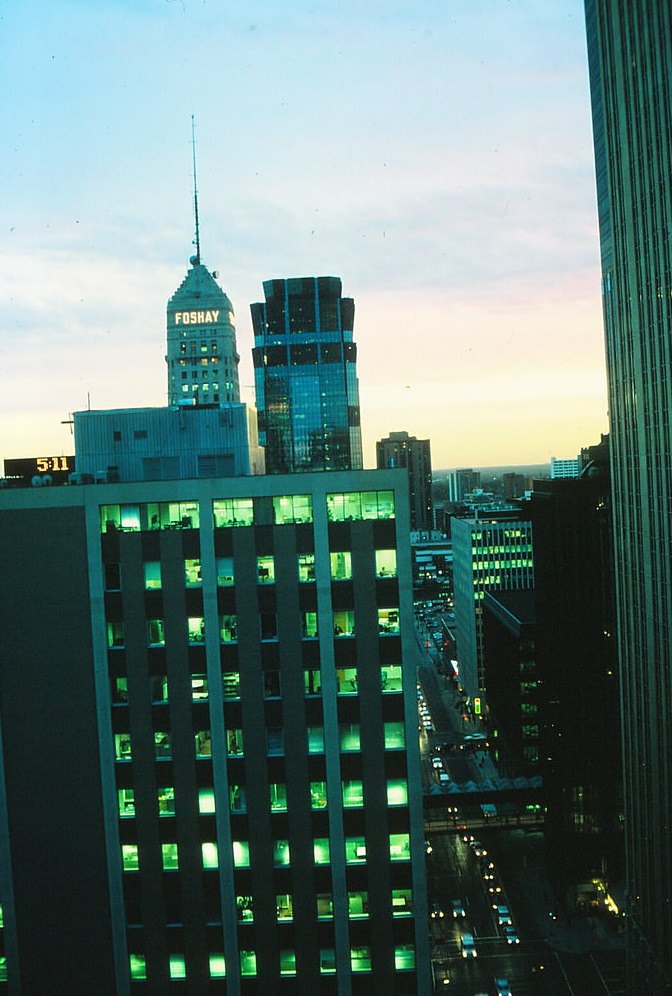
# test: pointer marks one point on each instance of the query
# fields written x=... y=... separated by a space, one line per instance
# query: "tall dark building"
x=209 y=770
x=630 y=57
x=305 y=376
x=578 y=684
x=401 y=450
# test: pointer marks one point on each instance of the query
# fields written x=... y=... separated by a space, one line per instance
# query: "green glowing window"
x=129 y=857
x=126 y=802
x=358 y=905
x=192 y=573
x=137 y=966
x=281 y=855
x=312 y=681
x=206 y=801
x=122 y=747
x=156 y=636
x=233 y=512
x=178 y=966
x=196 y=629
x=346 y=681
x=327 y=961
x=321 y=851
x=245 y=909
x=3 y=968
x=203 y=743
x=344 y=622
x=228 y=631
x=287 y=962
x=397 y=792
x=265 y=569
x=316 y=740
x=292 y=508
x=390 y=678
x=325 y=905
x=159 y=688
x=386 y=563
x=349 y=736
x=400 y=847
x=394 y=735
x=388 y=621
x=318 y=795
x=119 y=690
x=404 y=957
x=309 y=625
x=248 y=963
x=241 y=854
x=360 y=959
x=341 y=565
x=231 y=683
x=224 y=571
x=234 y=742
x=402 y=902
x=169 y=857
x=209 y=854
x=152 y=574
x=353 y=793
x=115 y=634
x=306 y=562
x=199 y=687
x=284 y=907
x=217 y=966
x=355 y=850
x=278 y=797
x=360 y=505
x=237 y=799
x=162 y=745
x=165 y=798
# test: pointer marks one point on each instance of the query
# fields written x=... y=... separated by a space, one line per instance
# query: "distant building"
x=305 y=376
x=163 y=444
x=512 y=676
x=460 y=482
x=215 y=788
x=514 y=485
x=490 y=553
x=401 y=450
x=201 y=355
x=564 y=468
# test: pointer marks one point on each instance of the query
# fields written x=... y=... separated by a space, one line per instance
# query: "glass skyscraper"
x=630 y=55
x=307 y=393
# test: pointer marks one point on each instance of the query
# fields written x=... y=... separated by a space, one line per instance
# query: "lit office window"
x=390 y=678
x=287 y=962
x=203 y=743
x=241 y=854
x=228 y=632
x=169 y=857
x=346 y=681
x=248 y=963
x=400 y=847
x=265 y=569
x=344 y=622
x=284 y=907
x=152 y=574
x=206 y=801
x=386 y=563
x=126 y=802
x=397 y=792
x=309 y=625
x=122 y=747
x=162 y=745
x=224 y=571
x=360 y=959
x=325 y=906
x=327 y=961
x=321 y=851
x=196 y=629
x=278 y=797
x=217 y=966
x=129 y=857
x=233 y=512
x=306 y=564
x=192 y=573
x=292 y=508
x=349 y=736
x=402 y=902
x=358 y=905
x=137 y=966
x=316 y=740
x=209 y=854
x=178 y=966
x=395 y=736
x=404 y=958
x=281 y=855
x=355 y=850
x=165 y=798
x=234 y=742
x=341 y=566
x=245 y=909
x=156 y=636
x=237 y=798
x=115 y=634
x=388 y=621
x=199 y=687
x=353 y=793
x=231 y=682
x=318 y=795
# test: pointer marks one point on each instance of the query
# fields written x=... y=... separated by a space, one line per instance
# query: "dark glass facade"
x=307 y=393
x=630 y=58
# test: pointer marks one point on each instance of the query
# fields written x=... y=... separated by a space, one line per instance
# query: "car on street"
x=444 y=777
x=488 y=870
x=437 y=762
x=503 y=987
x=458 y=908
x=436 y=911
x=468 y=945
x=510 y=936
x=503 y=915
x=479 y=850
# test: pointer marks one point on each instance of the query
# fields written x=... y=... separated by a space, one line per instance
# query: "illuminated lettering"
x=196 y=317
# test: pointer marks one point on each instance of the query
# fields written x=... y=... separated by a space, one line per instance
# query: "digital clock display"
x=24 y=470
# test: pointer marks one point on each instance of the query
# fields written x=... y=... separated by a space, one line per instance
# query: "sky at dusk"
x=436 y=155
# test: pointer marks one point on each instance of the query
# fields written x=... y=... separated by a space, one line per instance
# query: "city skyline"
x=439 y=161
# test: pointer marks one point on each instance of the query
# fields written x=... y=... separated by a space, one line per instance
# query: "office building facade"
x=490 y=553
x=305 y=376
x=216 y=786
x=401 y=450
x=630 y=61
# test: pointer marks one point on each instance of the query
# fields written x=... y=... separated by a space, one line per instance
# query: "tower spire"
x=197 y=241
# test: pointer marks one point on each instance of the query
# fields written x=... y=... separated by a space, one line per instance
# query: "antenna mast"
x=197 y=241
